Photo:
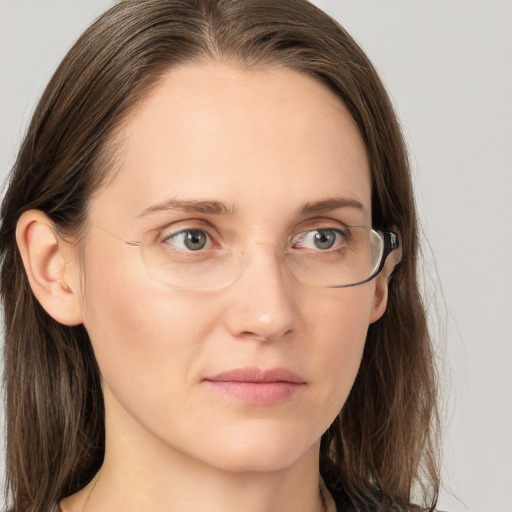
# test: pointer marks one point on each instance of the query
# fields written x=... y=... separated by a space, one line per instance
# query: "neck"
x=186 y=486
x=140 y=472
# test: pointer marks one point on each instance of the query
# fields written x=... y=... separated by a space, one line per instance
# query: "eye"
x=319 y=239
x=189 y=240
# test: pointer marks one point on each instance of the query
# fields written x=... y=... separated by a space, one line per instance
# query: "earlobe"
x=52 y=275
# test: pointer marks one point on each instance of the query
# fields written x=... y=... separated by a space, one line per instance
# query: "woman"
x=203 y=303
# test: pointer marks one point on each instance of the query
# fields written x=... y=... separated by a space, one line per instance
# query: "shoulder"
x=344 y=503
x=55 y=508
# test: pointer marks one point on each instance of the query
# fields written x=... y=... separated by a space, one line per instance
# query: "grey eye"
x=324 y=238
x=195 y=240
x=190 y=239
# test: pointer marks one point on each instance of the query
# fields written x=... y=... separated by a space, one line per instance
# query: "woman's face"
x=246 y=158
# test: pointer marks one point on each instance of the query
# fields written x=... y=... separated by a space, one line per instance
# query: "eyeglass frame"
x=390 y=243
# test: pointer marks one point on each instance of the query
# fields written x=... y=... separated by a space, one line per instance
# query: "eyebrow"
x=333 y=204
x=192 y=206
x=218 y=208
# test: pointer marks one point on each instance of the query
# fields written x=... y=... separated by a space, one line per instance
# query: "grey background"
x=448 y=67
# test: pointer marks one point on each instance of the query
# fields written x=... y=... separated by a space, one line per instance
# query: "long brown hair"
x=380 y=452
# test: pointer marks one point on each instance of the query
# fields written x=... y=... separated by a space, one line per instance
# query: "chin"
x=262 y=451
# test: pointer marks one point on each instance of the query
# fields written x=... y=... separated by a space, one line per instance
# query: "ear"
x=51 y=266
x=380 y=298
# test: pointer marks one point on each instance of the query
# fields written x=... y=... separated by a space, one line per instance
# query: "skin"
x=264 y=142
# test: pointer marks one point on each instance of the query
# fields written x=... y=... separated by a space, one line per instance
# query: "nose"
x=263 y=299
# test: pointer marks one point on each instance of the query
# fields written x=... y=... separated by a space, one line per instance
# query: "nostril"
x=262 y=337
x=253 y=335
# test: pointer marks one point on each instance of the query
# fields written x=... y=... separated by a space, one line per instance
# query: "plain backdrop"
x=448 y=67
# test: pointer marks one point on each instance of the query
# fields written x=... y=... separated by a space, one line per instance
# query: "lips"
x=257 y=386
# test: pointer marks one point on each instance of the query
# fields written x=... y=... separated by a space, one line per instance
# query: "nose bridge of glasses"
x=263 y=243
x=258 y=248
x=267 y=257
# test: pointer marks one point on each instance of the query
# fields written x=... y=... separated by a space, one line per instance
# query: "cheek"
x=342 y=321
x=341 y=325
x=144 y=339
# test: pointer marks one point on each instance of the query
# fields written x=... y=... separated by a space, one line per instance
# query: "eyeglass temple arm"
x=391 y=242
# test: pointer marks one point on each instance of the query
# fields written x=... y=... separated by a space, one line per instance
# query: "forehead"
x=264 y=137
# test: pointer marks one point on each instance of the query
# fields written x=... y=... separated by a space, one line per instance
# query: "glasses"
x=191 y=259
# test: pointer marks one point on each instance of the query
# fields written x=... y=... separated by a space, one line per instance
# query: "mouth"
x=256 y=386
